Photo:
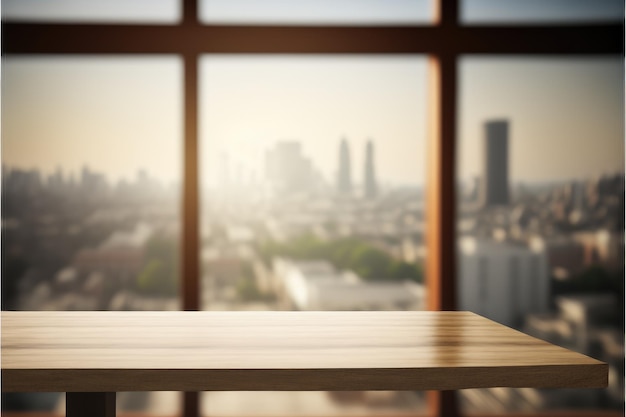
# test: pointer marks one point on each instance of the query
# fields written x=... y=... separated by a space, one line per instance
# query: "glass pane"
x=166 y=11
x=91 y=167
x=541 y=11
x=541 y=214
x=312 y=199
x=320 y=12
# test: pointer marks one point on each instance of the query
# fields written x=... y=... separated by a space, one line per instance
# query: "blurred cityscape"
x=545 y=258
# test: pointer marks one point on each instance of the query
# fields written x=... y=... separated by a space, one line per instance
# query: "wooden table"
x=91 y=355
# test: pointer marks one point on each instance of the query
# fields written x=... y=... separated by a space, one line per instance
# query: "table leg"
x=90 y=404
x=191 y=404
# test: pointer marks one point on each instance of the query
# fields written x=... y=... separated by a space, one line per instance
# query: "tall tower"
x=344 y=180
x=371 y=188
x=495 y=186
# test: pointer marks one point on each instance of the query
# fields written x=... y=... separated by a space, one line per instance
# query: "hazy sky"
x=118 y=114
x=115 y=114
x=250 y=102
x=566 y=114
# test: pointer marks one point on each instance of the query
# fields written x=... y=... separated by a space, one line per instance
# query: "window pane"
x=312 y=199
x=322 y=12
x=91 y=167
x=541 y=214
x=541 y=11
x=167 y=11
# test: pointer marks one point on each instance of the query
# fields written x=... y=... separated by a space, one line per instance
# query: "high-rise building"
x=344 y=179
x=288 y=170
x=371 y=188
x=495 y=181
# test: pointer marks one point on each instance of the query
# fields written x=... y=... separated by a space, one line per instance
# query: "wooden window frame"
x=443 y=42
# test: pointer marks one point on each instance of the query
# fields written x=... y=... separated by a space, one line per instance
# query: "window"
x=90 y=220
x=557 y=151
x=443 y=42
x=312 y=173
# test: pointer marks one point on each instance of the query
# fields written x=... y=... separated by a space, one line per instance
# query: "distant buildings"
x=580 y=322
x=371 y=188
x=495 y=186
x=344 y=176
x=566 y=257
x=572 y=234
x=92 y=181
x=288 y=170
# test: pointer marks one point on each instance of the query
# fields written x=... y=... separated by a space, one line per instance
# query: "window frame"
x=444 y=42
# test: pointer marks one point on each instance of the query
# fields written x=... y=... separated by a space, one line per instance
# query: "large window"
x=90 y=218
x=87 y=214
x=200 y=42
x=541 y=205
x=313 y=202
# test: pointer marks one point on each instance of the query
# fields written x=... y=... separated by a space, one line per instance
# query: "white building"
x=316 y=285
x=502 y=280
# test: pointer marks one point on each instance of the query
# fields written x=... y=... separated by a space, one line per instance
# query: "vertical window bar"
x=440 y=240
x=446 y=14
x=190 y=12
x=190 y=245
x=440 y=205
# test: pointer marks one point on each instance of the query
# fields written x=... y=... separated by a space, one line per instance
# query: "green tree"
x=160 y=269
x=370 y=263
x=358 y=255
x=401 y=271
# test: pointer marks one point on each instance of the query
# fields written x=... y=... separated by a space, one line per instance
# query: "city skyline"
x=554 y=104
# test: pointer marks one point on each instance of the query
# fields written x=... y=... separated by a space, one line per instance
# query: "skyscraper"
x=288 y=170
x=495 y=186
x=344 y=180
x=371 y=188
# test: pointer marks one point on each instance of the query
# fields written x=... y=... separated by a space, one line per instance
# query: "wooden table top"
x=267 y=351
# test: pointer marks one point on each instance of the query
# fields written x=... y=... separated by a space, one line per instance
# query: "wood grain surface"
x=265 y=351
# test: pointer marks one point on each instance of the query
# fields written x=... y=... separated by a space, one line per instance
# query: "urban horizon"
x=259 y=174
x=248 y=103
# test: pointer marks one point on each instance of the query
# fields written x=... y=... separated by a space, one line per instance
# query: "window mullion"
x=190 y=256
x=190 y=236
x=446 y=13
x=441 y=204
x=190 y=12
